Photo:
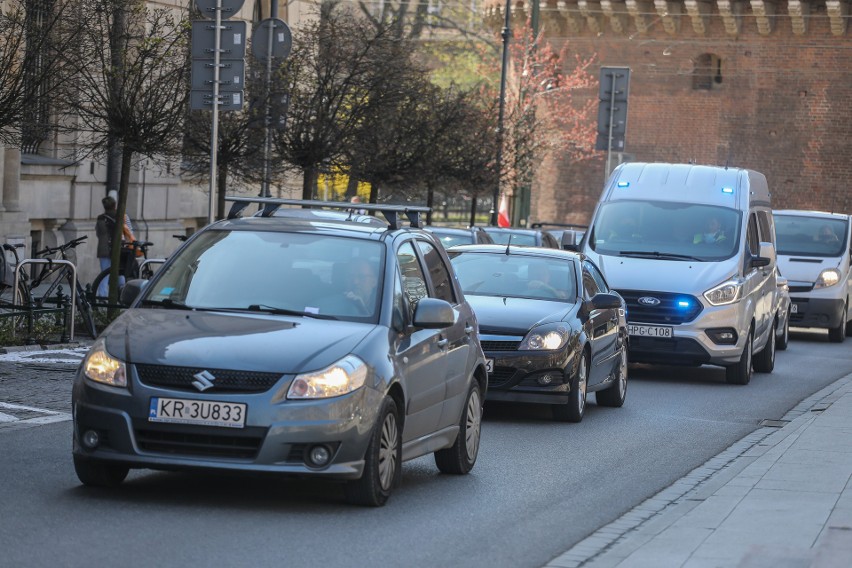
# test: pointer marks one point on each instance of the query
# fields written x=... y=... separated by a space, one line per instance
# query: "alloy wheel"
x=387 y=451
x=473 y=425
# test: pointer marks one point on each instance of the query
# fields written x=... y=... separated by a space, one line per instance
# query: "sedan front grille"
x=226 y=381
x=208 y=445
x=500 y=345
x=671 y=309
x=501 y=376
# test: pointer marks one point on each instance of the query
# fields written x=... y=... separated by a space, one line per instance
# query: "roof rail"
x=390 y=212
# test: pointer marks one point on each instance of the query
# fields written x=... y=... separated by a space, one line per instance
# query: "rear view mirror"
x=432 y=313
x=766 y=256
x=132 y=289
x=601 y=301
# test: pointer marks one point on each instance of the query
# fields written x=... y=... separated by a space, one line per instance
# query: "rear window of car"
x=810 y=236
x=520 y=239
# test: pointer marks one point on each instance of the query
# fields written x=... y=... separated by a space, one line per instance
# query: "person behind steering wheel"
x=539 y=282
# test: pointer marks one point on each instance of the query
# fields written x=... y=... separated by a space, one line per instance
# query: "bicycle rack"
x=73 y=284
x=151 y=261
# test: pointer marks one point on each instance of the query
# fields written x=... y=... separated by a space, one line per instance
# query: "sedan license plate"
x=201 y=412
x=489 y=365
x=649 y=330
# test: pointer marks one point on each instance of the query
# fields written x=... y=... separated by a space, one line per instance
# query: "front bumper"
x=277 y=437
x=516 y=372
x=816 y=312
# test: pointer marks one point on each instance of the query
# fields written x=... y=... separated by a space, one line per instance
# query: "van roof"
x=713 y=185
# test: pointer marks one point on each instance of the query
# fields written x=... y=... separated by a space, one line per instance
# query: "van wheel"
x=764 y=361
x=783 y=340
x=382 y=462
x=838 y=334
x=740 y=373
x=576 y=407
x=460 y=457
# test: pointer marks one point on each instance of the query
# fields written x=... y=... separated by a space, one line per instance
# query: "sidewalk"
x=781 y=497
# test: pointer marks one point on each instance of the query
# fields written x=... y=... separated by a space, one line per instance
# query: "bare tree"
x=34 y=35
x=131 y=86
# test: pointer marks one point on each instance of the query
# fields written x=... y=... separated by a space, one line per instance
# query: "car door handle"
x=468 y=330
x=442 y=342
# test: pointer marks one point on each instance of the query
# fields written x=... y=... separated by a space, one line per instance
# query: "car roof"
x=520 y=250
x=326 y=215
x=516 y=230
x=804 y=213
x=453 y=230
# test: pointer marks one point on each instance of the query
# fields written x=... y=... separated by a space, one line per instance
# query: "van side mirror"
x=766 y=256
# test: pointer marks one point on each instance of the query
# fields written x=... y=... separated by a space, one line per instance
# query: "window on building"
x=707 y=73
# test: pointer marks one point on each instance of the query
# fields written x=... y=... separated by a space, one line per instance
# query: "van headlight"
x=102 y=367
x=828 y=277
x=725 y=293
x=546 y=338
x=338 y=379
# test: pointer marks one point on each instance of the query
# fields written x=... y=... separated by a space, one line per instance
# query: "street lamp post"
x=501 y=104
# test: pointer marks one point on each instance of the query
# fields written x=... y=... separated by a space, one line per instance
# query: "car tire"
x=764 y=361
x=461 y=456
x=781 y=341
x=99 y=474
x=740 y=373
x=576 y=407
x=382 y=461
x=838 y=334
x=614 y=395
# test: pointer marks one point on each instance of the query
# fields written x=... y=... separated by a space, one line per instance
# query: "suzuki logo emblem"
x=649 y=301
x=203 y=380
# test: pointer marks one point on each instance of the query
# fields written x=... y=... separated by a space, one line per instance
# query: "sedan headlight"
x=338 y=379
x=826 y=278
x=102 y=367
x=546 y=338
x=725 y=293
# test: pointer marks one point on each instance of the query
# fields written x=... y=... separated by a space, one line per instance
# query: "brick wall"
x=783 y=107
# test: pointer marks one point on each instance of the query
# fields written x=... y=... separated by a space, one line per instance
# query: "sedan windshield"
x=515 y=275
x=810 y=236
x=274 y=272
x=666 y=231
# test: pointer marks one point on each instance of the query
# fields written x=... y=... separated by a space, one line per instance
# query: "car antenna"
x=508 y=244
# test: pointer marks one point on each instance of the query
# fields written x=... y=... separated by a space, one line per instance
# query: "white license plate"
x=489 y=365
x=202 y=412
x=649 y=330
x=794 y=309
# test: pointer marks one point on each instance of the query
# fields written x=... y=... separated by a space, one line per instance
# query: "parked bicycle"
x=129 y=268
x=43 y=285
x=11 y=298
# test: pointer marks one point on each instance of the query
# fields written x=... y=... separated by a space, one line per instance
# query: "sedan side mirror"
x=131 y=291
x=602 y=301
x=432 y=313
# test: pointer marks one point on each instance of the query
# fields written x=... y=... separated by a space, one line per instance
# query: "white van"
x=692 y=251
x=814 y=254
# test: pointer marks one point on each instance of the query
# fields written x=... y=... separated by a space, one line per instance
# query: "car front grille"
x=667 y=312
x=207 y=445
x=226 y=381
x=800 y=288
x=501 y=376
x=500 y=345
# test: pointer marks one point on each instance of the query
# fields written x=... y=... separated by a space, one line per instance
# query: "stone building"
x=763 y=84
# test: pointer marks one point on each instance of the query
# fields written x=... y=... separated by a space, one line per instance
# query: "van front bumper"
x=816 y=312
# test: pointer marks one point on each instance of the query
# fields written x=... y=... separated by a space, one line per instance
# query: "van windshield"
x=810 y=236
x=665 y=230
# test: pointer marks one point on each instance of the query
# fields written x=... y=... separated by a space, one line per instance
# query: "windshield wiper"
x=167 y=303
x=285 y=312
x=658 y=254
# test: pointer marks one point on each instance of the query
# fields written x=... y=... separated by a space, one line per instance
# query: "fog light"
x=91 y=439
x=722 y=336
x=545 y=380
x=319 y=456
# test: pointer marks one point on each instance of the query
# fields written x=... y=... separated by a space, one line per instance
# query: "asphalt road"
x=538 y=487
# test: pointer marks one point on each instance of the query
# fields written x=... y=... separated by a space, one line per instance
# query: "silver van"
x=692 y=251
x=814 y=254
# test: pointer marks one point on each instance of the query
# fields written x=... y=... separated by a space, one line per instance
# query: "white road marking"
x=72 y=355
x=49 y=416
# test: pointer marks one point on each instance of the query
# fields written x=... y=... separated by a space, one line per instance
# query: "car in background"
x=568 y=235
x=551 y=327
x=522 y=237
x=287 y=345
x=815 y=254
x=452 y=236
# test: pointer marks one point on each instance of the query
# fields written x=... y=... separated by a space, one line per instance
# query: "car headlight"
x=826 y=278
x=102 y=367
x=546 y=338
x=338 y=379
x=725 y=293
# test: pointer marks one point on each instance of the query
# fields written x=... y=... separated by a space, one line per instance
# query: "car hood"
x=808 y=271
x=215 y=340
x=679 y=277
x=515 y=315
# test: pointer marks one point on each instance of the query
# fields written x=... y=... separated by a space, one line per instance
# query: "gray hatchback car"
x=295 y=346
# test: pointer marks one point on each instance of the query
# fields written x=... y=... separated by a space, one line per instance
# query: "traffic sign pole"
x=267 y=119
x=214 y=130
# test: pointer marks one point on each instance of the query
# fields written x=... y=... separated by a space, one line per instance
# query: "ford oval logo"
x=649 y=301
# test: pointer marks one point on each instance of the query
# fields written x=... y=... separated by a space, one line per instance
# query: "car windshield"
x=501 y=237
x=810 y=236
x=515 y=275
x=666 y=231
x=453 y=239
x=277 y=272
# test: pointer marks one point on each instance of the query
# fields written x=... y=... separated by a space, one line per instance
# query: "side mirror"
x=766 y=256
x=432 y=313
x=601 y=301
x=131 y=291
